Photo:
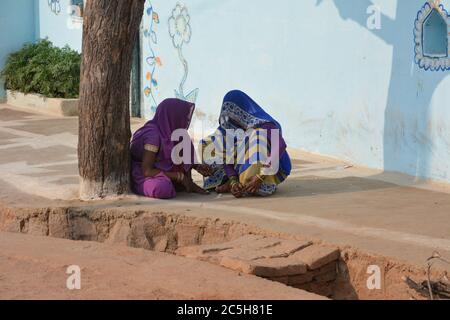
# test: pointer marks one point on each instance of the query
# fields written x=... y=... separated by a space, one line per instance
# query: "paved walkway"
x=325 y=199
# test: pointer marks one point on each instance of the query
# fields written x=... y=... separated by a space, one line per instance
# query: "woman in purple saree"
x=153 y=172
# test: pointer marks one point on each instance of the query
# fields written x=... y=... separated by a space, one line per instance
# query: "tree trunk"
x=109 y=35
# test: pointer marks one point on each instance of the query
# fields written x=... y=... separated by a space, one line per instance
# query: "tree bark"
x=110 y=28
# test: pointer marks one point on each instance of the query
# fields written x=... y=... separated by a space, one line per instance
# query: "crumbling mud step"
x=280 y=257
x=300 y=264
x=134 y=227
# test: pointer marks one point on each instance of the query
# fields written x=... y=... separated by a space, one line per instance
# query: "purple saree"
x=155 y=136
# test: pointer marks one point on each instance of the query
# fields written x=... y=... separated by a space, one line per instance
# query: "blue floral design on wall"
x=153 y=61
x=180 y=31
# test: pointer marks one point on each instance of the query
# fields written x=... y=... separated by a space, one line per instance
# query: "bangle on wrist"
x=233 y=181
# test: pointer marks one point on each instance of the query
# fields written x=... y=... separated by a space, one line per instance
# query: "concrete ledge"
x=39 y=103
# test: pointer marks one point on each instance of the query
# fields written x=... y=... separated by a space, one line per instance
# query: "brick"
x=323 y=289
x=58 y=226
x=246 y=254
x=119 y=233
x=279 y=249
x=160 y=243
x=199 y=251
x=187 y=235
x=214 y=235
x=277 y=267
x=326 y=277
x=13 y=226
x=283 y=280
x=148 y=233
x=203 y=252
x=236 y=264
x=258 y=244
x=247 y=248
x=252 y=254
x=325 y=269
x=38 y=226
x=316 y=256
x=323 y=274
x=300 y=279
x=81 y=228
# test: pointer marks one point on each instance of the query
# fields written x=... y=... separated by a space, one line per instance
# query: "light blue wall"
x=17 y=25
x=58 y=28
x=337 y=87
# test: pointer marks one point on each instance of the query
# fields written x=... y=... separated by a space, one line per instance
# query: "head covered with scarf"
x=239 y=111
x=171 y=114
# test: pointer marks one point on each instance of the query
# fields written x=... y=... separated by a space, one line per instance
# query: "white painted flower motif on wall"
x=180 y=31
x=179 y=27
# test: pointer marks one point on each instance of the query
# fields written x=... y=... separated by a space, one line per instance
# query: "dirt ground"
x=35 y=268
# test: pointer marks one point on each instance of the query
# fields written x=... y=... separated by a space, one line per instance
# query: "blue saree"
x=239 y=111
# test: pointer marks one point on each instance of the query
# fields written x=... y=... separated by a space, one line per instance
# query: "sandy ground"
x=325 y=199
x=35 y=268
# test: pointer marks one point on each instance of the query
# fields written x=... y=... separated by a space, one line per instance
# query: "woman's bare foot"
x=225 y=188
x=197 y=189
x=189 y=186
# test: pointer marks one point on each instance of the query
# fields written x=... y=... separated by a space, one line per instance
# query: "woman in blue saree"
x=259 y=160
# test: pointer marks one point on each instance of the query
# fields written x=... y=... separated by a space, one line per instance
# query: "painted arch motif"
x=432 y=37
x=54 y=6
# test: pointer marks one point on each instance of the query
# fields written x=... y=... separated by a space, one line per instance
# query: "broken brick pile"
x=300 y=264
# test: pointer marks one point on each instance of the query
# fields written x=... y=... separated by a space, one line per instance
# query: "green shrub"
x=45 y=69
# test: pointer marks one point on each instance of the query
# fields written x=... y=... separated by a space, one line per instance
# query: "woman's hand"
x=190 y=186
x=237 y=190
x=148 y=164
x=252 y=185
x=204 y=170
